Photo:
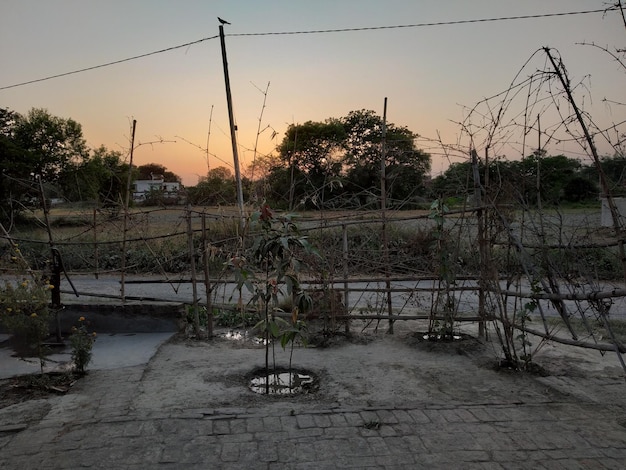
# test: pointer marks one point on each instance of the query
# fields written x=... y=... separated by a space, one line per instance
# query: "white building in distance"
x=141 y=188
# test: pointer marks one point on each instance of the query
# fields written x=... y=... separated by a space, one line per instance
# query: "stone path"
x=138 y=418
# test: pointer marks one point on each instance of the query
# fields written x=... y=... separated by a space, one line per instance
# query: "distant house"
x=141 y=188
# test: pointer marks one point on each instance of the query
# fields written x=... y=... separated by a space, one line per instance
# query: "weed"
x=233 y=318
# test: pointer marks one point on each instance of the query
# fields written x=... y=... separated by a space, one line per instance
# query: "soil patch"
x=34 y=386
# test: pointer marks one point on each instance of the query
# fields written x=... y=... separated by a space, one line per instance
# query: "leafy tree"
x=553 y=172
x=100 y=178
x=13 y=164
x=50 y=143
x=8 y=120
x=258 y=173
x=149 y=169
x=285 y=186
x=35 y=145
x=406 y=166
x=343 y=156
x=615 y=171
x=561 y=179
x=218 y=187
x=456 y=181
x=311 y=151
x=579 y=188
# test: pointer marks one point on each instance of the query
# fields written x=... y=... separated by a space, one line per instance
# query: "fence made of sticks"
x=490 y=256
x=443 y=266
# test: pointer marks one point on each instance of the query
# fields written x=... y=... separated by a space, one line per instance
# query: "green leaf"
x=274 y=329
x=249 y=285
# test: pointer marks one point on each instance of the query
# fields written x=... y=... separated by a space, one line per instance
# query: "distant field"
x=156 y=238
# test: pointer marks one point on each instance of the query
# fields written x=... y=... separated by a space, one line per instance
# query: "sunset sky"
x=431 y=75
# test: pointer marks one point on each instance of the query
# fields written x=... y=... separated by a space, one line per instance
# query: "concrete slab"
x=110 y=351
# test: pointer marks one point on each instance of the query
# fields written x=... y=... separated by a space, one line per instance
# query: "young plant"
x=274 y=261
x=444 y=297
x=296 y=331
x=81 y=341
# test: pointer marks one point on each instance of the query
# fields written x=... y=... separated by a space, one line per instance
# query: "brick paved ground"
x=142 y=417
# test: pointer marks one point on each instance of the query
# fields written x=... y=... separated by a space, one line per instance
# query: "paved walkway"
x=489 y=437
x=142 y=417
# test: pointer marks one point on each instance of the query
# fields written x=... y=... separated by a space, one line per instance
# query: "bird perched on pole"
x=222 y=21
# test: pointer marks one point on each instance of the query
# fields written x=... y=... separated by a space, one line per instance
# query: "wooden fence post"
x=346 y=292
x=192 y=265
x=208 y=290
x=95 y=242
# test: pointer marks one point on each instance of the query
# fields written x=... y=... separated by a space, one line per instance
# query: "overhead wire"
x=421 y=25
x=320 y=31
x=115 y=62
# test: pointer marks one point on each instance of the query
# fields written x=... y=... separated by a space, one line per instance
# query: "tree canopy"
x=338 y=162
x=49 y=143
x=543 y=178
x=147 y=171
x=41 y=148
x=406 y=166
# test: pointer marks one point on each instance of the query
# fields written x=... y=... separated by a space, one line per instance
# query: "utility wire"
x=108 y=63
x=320 y=31
x=421 y=25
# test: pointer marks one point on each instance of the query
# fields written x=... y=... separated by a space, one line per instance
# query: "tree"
x=147 y=171
x=8 y=120
x=456 y=181
x=343 y=157
x=406 y=166
x=561 y=179
x=312 y=154
x=552 y=172
x=100 y=178
x=579 y=188
x=615 y=171
x=218 y=187
x=14 y=166
x=31 y=146
x=50 y=143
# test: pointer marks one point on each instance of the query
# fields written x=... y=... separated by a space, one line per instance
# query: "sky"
x=432 y=76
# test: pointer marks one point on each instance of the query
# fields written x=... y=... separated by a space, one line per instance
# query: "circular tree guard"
x=282 y=382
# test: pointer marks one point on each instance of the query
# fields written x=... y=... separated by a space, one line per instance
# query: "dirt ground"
x=370 y=368
x=374 y=368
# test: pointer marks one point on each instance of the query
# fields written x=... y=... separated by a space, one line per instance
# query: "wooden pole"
x=482 y=252
x=95 y=242
x=194 y=280
x=346 y=292
x=208 y=290
x=233 y=129
x=617 y=224
x=383 y=210
x=56 y=264
x=129 y=181
x=291 y=169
